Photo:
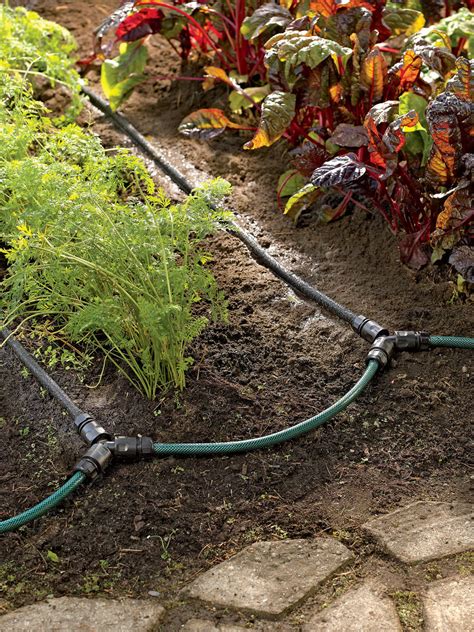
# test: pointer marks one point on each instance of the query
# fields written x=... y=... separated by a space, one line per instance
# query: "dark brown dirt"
x=154 y=526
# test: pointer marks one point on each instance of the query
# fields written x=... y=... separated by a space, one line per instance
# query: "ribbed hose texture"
x=246 y=445
x=40 y=374
x=44 y=506
x=455 y=342
x=260 y=254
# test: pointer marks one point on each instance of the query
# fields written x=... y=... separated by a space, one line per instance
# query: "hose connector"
x=89 y=429
x=131 y=448
x=368 y=329
x=412 y=341
x=382 y=350
x=94 y=461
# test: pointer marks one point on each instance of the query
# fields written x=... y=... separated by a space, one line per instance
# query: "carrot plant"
x=95 y=253
x=38 y=48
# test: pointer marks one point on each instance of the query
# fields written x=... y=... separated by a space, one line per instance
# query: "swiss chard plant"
x=97 y=257
x=373 y=97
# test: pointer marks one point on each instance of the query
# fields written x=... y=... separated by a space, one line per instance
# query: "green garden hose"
x=200 y=449
x=231 y=447
x=457 y=342
x=44 y=506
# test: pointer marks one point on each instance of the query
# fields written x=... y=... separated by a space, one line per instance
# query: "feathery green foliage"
x=35 y=47
x=97 y=251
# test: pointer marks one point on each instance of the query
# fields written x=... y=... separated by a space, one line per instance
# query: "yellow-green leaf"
x=301 y=201
x=278 y=110
x=206 y=123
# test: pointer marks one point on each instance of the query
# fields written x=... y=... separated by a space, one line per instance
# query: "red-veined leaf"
x=462 y=84
x=289 y=183
x=308 y=157
x=445 y=115
x=295 y=49
x=373 y=73
x=138 y=25
x=330 y=7
x=342 y=170
x=120 y=75
x=408 y=70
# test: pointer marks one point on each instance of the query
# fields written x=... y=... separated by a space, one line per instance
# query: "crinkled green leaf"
x=266 y=18
x=120 y=75
x=403 y=21
x=278 y=110
x=295 y=49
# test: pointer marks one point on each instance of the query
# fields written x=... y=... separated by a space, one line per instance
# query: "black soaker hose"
x=260 y=254
x=40 y=374
x=85 y=424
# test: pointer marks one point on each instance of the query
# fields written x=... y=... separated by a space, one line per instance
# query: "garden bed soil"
x=154 y=526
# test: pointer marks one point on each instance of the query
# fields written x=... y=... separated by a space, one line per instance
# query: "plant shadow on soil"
x=155 y=525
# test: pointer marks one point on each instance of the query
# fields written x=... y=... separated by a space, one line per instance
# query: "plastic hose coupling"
x=131 y=448
x=94 y=461
x=382 y=350
x=368 y=329
x=89 y=429
x=412 y=340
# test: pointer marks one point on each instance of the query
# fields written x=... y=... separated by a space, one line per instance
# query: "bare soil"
x=153 y=526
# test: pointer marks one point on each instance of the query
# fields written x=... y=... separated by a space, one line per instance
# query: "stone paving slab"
x=268 y=578
x=71 y=614
x=358 y=610
x=425 y=531
x=448 y=605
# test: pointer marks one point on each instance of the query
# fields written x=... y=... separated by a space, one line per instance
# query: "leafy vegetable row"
x=374 y=97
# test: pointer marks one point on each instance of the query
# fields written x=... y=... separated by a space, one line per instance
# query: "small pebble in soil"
x=153 y=593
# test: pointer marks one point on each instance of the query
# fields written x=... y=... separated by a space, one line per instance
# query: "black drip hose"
x=49 y=384
x=260 y=254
